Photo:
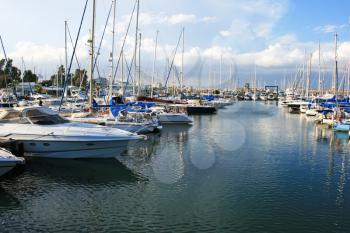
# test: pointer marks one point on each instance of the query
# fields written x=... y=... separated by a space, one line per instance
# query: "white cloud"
x=252 y=23
x=161 y=18
x=44 y=55
x=329 y=28
x=225 y=33
x=180 y=19
x=41 y=54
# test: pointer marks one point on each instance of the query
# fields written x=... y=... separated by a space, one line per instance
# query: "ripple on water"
x=286 y=176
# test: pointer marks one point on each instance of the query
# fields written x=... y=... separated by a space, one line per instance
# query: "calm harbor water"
x=250 y=168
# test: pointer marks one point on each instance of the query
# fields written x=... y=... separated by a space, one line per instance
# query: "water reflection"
x=7 y=201
x=286 y=166
x=82 y=172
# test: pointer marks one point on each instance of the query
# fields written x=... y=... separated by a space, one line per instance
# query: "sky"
x=271 y=35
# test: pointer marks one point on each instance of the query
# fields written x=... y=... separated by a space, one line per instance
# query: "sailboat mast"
x=319 y=70
x=182 y=60
x=139 y=69
x=335 y=74
x=112 y=52
x=220 y=72
x=66 y=50
x=154 y=63
x=255 y=79
x=308 y=81
x=136 y=43
x=92 y=45
x=231 y=83
x=22 y=77
x=122 y=78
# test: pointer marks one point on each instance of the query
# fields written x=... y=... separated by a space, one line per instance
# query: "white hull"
x=311 y=112
x=73 y=149
x=71 y=140
x=8 y=161
x=135 y=127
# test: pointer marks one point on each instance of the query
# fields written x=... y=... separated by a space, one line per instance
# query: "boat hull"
x=137 y=128
x=342 y=127
x=73 y=149
x=165 y=119
x=8 y=162
x=197 y=110
x=311 y=112
x=6 y=167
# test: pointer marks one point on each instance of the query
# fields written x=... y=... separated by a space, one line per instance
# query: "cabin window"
x=40 y=118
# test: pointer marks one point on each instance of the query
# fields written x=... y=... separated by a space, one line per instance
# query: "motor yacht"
x=43 y=133
x=166 y=117
x=8 y=161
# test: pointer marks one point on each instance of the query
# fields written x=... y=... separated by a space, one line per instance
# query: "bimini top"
x=31 y=115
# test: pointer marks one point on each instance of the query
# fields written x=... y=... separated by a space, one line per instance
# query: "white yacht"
x=263 y=96
x=43 y=133
x=7 y=98
x=166 y=118
x=8 y=161
x=134 y=123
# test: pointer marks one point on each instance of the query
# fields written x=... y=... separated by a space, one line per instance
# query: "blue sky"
x=271 y=34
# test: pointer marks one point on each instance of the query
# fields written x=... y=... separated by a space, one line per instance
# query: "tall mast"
x=220 y=72
x=22 y=77
x=112 y=52
x=319 y=70
x=304 y=74
x=308 y=82
x=335 y=74
x=136 y=43
x=255 y=79
x=66 y=51
x=182 y=60
x=231 y=83
x=174 y=91
x=154 y=63
x=122 y=78
x=92 y=45
x=139 y=68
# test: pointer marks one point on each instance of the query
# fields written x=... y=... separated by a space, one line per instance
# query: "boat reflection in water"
x=286 y=166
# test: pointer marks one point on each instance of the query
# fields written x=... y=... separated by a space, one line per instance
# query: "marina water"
x=251 y=168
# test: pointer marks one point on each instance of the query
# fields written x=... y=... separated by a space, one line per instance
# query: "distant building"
x=53 y=90
x=25 y=89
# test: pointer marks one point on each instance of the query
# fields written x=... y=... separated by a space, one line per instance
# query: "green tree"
x=9 y=74
x=80 y=77
x=59 y=77
x=46 y=83
x=38 y=88
x=29 y=76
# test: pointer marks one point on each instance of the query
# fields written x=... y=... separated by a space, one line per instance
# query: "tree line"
x=11 y=76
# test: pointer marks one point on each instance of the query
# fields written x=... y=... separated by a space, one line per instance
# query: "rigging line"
x=72 y=57
x=172 y=62
x=103 y=34
x=124 y=41
x=3 y=48
x=81 y=78
x=4 y=51
x=71 y=41
x=129 y=72
x=168 y=59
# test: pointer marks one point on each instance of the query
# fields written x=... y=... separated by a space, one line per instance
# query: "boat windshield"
x=43 y=116
x=38 y=116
